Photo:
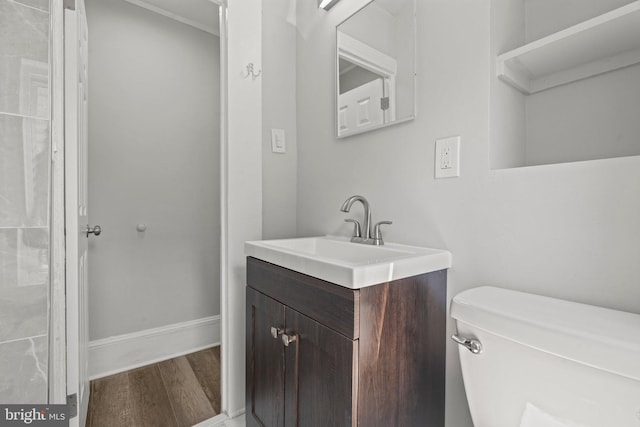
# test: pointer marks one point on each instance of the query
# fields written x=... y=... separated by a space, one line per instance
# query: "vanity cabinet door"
x=320 y=386
x=265 y=361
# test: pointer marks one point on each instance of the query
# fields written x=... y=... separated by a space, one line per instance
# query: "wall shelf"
x=605 y=43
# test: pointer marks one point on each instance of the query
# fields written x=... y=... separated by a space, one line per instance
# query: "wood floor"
x=180 y=392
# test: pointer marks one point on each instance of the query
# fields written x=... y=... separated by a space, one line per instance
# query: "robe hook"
x=251 y=72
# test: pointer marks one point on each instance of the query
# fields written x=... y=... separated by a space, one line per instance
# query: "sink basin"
x=353 y=265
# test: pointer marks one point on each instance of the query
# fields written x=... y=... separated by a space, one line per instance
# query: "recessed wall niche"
x=565 y=82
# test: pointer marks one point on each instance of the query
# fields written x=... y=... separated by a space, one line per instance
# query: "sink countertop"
x=352 y=265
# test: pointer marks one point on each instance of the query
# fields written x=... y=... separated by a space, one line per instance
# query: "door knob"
x=93 y=230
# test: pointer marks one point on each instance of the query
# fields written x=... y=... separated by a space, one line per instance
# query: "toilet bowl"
x=534 y=361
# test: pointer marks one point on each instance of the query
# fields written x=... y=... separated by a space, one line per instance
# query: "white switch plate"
x=278 y=142
x=447 y=164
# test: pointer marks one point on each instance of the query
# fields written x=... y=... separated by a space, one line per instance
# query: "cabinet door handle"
x=275 y=332
x=288 y=339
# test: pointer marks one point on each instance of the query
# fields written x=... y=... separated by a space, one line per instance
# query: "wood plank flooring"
x=180 y=392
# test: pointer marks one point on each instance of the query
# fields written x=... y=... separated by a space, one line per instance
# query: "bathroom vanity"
x=323 y=354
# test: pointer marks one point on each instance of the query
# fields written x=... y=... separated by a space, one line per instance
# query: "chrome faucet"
x=368 y=238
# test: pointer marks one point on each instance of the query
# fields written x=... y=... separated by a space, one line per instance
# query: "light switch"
x=447 y=163
x=278 y=142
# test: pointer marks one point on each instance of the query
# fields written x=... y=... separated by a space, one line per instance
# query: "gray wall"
x=24 y=200
x=154 y=158
x=566 y=230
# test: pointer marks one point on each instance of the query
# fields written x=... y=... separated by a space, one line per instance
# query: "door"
x=265 y=361
x=361 y=108
x=321 y=384
x=76 y=222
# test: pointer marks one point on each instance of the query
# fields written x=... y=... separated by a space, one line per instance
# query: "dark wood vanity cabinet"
x=359 y=357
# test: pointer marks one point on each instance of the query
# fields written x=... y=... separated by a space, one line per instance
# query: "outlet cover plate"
x=447 y=158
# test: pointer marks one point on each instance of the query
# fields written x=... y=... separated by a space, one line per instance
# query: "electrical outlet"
x=445 y=158
x=447 y=161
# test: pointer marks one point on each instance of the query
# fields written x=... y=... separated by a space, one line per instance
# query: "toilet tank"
x=547 y=362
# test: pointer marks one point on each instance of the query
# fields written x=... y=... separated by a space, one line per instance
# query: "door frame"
x=57 y=324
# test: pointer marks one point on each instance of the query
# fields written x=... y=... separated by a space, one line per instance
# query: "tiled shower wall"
x=24 y=200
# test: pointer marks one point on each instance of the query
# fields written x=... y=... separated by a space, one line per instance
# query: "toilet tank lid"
x=599 y=337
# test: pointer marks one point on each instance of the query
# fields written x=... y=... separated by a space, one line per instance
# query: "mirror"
x=375 y=67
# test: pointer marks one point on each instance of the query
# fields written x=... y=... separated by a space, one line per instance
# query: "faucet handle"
x=377 y=234
x=357 y=231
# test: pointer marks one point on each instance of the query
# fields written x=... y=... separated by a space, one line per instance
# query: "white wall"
x=242 y=193
x=565 y=230
x=279 y=112
x=405 y=54
x=154 y=158
x=507 y=112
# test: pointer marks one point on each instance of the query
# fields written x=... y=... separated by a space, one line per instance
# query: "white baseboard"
x=124 y=352
x=217 y=421
x=239 y=414
x=223 y=420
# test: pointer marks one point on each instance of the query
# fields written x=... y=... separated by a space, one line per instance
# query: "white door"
x=361 y=108
x=76 y=222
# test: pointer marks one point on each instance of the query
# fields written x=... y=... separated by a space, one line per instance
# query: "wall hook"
x=251 y=72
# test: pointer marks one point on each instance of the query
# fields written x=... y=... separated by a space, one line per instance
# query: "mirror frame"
x=384 y=69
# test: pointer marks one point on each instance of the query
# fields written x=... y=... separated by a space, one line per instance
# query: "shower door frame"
x=58 y=303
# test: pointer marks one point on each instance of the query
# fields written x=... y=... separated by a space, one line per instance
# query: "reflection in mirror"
x=375 y=79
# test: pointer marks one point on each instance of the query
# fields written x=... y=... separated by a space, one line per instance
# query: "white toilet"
x=533 y=361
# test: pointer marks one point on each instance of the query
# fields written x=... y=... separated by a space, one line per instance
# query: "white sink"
x=353 y=265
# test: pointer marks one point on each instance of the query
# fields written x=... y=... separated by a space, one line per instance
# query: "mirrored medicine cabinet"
x=375 y=67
